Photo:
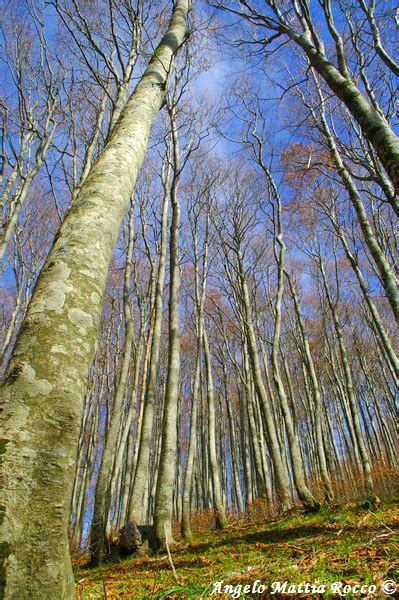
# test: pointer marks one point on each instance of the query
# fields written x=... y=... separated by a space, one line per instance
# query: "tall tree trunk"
x=365 y=460
x=137 y=508
x=163 y=512
x=298 y=472
x=374 y=126
x=387 y=274
x=245 y=449
x=200 y=293
x=385 y=341
x=316 y=392
x=189 y=472
x=235 y=461
x=43 y=397
x=103 y=490
x=280 y=472
x=213 y=460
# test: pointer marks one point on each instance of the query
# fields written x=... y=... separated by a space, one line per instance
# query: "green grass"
x=348 y=544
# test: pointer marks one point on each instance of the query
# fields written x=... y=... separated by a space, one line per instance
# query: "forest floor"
x=348 y=544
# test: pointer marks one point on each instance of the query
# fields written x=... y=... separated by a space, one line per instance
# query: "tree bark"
x=44 y=387
x=221 y=521
x=374 y=126
x=163 y=512
x=316 y=393
x=387 y=274
x=280 y=472
x=137 y=508
x=102 y=493
x=365 y=460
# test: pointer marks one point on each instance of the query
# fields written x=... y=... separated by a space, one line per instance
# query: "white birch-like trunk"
x=43 y=390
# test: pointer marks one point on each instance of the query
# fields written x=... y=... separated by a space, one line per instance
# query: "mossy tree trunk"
x=44 y=387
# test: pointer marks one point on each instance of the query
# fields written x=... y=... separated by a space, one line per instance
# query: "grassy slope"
x=348 y=544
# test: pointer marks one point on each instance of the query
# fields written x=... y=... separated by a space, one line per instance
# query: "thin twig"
x=103 y=581
x=378 y=519
x=170 y=557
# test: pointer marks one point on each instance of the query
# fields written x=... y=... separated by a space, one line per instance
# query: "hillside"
x=199 y=298
x=348 y=544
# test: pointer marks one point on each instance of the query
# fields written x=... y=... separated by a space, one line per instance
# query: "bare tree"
x=62 y=322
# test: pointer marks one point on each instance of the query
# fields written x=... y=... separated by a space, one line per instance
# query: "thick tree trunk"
x=44 y=387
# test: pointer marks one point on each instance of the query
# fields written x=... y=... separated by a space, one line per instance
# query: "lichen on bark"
x=42 y=398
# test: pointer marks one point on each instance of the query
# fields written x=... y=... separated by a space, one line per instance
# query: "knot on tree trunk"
x=134 y=539
x=130 y=538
